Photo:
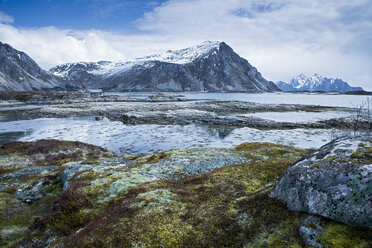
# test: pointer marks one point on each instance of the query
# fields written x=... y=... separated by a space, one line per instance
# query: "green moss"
x=336 y=235
x=222 y=208
x=368 y=150
x=151 y=159
x=331 y=158
x=312 y=225
x=8 y=236
x=356 y=154
x=6 y=170
x=362 y=156
x=314 y=166
x=362 y=144
x=10 y=190
x=121 y=183
x=168 y=228
x=69 y=222
x=87 y=176
x=226 y=207
x=268 y=150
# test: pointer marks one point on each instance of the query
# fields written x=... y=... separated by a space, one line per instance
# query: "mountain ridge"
x=316 y=83
x=19 y=72
x=209 y=66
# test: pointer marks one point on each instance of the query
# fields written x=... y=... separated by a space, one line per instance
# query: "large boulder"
x=334 y=181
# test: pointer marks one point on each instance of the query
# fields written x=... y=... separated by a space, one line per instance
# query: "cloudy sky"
x=282 y=38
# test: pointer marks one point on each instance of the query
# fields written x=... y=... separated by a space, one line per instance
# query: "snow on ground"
x=24 y=107
x=139 y=139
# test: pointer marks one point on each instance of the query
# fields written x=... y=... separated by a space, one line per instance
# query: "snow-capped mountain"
x=316 y=83
x=210 y=66
x=18 y=72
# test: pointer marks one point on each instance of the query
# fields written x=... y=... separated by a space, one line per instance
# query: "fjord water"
x=143 y=139
x=139 y=139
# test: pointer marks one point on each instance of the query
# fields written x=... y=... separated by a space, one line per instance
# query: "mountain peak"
x=301 y=76
x=186 y=55
x=182 y=56
x=317 y=77
x=208 y=66
x=316 y=83
x=211 y=43
x=18 y=72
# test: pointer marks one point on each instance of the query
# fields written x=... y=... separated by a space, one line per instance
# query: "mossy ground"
x=17 y=155
x=344 y=236
x=17 y=217
x=225 y=207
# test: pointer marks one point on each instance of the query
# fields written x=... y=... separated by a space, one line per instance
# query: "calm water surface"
x=139 y=139
x=274 y=98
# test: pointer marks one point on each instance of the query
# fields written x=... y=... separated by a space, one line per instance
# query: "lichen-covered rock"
x=31 y=193
x=19 y=155
x=311 y=230
x=334 y=181
x=30 y=181
x=179 y=163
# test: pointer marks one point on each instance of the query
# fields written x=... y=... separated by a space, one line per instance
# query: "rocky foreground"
x=70 y=194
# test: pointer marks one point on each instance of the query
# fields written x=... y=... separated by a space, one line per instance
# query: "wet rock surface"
x=231 y=113
x=334 y=181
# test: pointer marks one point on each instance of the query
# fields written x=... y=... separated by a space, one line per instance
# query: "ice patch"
x=144 y=139
x=300 y=116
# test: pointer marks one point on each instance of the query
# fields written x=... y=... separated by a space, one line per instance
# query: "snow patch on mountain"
x=18 y=72
x=183 y=56
x=316 y=83
x=209 y=66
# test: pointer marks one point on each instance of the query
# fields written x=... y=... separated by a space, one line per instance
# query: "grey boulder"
x=334 y=181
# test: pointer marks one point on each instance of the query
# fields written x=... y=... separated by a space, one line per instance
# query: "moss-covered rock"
x=334 y=181
x=18 y=155
x=30 y=181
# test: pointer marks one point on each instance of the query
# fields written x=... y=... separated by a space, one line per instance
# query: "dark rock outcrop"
x=18 y=72
x=334 y=181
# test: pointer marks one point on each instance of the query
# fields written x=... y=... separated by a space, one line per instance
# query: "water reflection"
x=140 y=139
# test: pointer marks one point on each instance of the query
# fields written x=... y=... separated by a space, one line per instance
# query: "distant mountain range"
x=210 y=66
x=316 y=83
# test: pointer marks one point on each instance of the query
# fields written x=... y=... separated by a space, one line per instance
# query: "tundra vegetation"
x=70 y=194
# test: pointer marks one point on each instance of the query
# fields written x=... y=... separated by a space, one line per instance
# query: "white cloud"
x=4 y=18
x=281 y=38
